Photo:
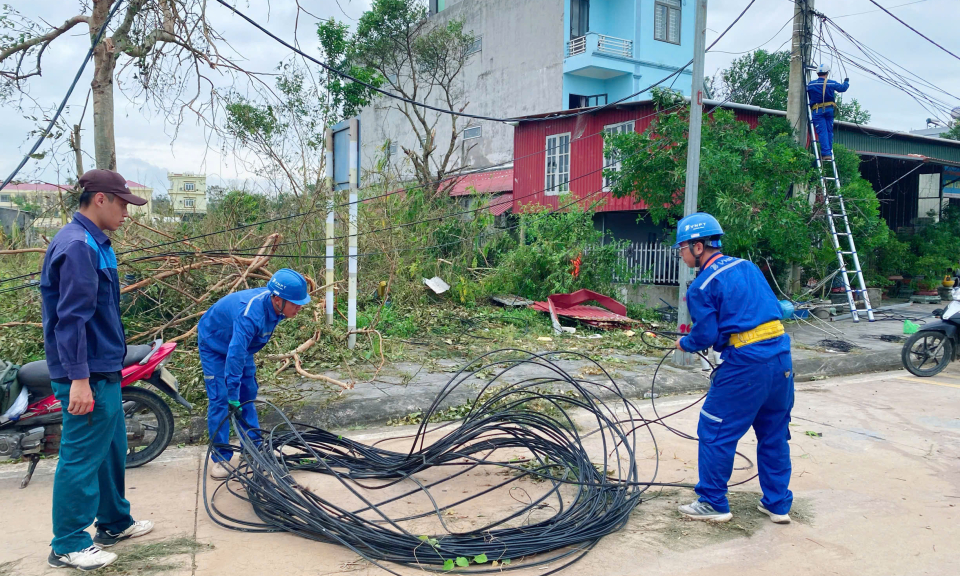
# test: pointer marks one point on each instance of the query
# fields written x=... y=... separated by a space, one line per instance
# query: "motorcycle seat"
x=35 y=376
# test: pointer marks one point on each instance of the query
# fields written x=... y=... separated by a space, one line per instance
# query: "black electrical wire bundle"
x=590 y=499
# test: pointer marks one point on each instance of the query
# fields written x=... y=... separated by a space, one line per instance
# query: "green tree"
x=954 y=132
x=759 y=78
x=762 y=78
x=747 y=180
x=419 y=59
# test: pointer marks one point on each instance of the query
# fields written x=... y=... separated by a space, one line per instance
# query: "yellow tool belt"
x=822 y=105
x=767 y=331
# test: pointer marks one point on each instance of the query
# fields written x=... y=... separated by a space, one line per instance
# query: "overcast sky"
x=147 y=148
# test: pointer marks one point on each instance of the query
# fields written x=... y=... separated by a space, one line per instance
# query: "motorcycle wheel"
x=149 y=425
x=926 y=353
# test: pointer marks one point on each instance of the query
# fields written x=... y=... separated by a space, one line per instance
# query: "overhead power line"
x=917 y=32
x=63 y=103
x=424 y=105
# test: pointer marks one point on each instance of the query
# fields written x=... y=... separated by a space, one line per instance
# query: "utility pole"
x=352 y=232
x=797 y=97
x=799 y=60
x=693 y=165
x=330 y=226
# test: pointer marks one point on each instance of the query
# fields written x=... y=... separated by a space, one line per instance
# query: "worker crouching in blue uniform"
x=734 y=311
x=229 y=334
x=821 y=94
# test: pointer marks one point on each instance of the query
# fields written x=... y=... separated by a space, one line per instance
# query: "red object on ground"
x=610 y=313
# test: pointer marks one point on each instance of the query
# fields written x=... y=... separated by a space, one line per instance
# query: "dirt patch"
x=657 y=523
x=6 y=568
x=154 y=557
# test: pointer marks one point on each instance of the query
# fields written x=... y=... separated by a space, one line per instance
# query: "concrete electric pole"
x=799 y=60
x=693 y=164
x=797 y=98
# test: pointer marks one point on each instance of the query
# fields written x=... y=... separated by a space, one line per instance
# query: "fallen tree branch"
x=22 y=251
x=10 y=324
x=320 y=377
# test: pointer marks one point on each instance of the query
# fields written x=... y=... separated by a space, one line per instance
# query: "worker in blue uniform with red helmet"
x=821 y=94
x=735 y=312
x=229 y=334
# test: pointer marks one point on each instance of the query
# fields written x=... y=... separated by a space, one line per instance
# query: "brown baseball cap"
x=109 y=182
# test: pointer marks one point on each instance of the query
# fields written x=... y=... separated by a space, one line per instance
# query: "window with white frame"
x=189 y=186
x=5 y=198
x=558 y=164
x=472 y=132
x=612 y=160
x=188 y=203
x=474 y=46
x=391 y=148
x=666 y=21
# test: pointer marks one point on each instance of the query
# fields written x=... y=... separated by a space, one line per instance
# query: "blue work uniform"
x=229 y=334
x=83 y=337
x=821 y=94
x=753 y=386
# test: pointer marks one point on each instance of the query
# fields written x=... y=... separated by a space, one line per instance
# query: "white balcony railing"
x=577 y=46
x=615 y=46
x=602 y=44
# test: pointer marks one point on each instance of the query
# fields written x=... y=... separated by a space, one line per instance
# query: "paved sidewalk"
x=875 y=473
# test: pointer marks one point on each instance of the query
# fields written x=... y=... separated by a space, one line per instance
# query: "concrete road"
x=876 y=474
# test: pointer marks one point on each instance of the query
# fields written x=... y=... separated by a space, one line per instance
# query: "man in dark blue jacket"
x=735 y=312
x=229 y=334
x=84 y=342
x=821 y=93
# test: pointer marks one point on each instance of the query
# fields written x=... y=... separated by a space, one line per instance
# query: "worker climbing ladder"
x=839 y=225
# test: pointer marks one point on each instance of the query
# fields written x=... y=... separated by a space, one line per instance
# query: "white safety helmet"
x=823 y=69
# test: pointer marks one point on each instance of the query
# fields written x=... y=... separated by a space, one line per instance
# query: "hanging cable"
x=66 y=98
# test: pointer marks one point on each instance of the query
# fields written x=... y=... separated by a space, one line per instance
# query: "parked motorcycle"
x=149 y=420
x=936 y=344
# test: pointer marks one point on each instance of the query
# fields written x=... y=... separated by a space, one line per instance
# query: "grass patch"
x=154 y=557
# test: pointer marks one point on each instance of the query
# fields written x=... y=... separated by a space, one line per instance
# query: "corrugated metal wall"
x=864 y=141
x=586 y=159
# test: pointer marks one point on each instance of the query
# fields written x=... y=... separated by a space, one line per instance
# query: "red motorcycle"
x=149 y=419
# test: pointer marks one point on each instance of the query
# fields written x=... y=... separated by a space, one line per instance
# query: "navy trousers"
x=823 y=124
x=89 y=482
x=213 y=365
x=741 y=396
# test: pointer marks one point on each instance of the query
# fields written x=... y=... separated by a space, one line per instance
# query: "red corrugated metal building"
x=538 y=139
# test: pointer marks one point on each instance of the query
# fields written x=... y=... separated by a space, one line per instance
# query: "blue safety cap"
x=698 y=225
x=289 y=285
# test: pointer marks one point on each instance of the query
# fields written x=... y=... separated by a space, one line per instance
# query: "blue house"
x=614 y=48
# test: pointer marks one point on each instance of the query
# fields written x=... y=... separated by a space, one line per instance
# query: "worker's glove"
x=234 y=406
x=845 y=80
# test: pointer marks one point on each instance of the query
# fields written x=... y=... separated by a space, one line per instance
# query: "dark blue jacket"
x=824 y=90
x=728 y=297
x=80 y=290
x=238 y=326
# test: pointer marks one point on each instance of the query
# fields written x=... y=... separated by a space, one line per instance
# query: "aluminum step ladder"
x=839 y=226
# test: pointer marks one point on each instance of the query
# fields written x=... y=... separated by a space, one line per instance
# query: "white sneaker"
x=777 y=518
x=703 y=511
x=87 y=559
x=106 y=539
x=218 y=470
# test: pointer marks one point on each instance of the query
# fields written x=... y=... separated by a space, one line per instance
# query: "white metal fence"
x=577 y=46
x=615 y=46
x=650 y=263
